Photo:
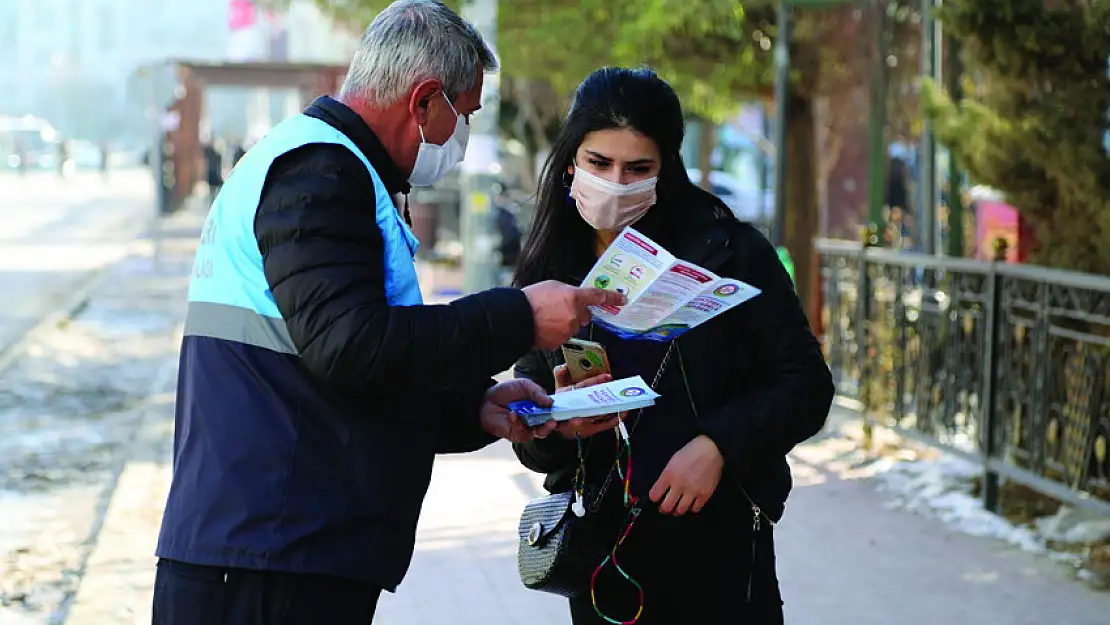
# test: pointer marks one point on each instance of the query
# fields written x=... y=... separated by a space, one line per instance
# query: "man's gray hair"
x=412 y=41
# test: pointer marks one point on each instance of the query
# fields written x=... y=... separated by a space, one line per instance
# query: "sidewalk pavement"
x=57 y=235
x=842 y=551
x=118 y=575
x=844 y=556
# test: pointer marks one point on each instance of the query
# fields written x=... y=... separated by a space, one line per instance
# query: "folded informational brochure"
x=592 y=401
x=667 y=296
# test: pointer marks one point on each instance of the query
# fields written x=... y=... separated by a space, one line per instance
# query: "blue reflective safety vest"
x=228 y=268
x=246 y=492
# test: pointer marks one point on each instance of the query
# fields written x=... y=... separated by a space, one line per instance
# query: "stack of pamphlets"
x=602 y=399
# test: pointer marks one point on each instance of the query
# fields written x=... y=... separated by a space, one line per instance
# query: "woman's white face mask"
x=609 y=206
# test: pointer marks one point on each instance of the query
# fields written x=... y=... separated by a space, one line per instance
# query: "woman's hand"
x=690 y=479
x=563 y=382
x=586 y=426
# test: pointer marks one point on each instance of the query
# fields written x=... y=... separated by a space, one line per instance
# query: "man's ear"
x=421 y=99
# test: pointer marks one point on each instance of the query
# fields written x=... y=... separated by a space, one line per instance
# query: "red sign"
x=997 y=220
x=690 y=273
x=641 y=243
x=240 y=14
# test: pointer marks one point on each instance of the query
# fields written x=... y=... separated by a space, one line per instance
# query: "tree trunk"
x=801 y=199
x=829 y=136
x=520 y=132
x=539 y=143
x=707 y=141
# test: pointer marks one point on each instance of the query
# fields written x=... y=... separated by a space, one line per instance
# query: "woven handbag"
x=559 y=550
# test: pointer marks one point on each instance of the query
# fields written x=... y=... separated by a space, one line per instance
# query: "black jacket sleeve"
x=322 y=252
x=793 y=400
x=460 y=430
x=553 y=453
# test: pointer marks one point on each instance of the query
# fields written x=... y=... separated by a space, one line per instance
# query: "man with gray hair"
x=315 y=388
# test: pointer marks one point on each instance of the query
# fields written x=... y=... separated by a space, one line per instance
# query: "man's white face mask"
x=434 y=161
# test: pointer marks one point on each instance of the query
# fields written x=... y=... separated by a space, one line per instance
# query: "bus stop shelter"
x=174 y=94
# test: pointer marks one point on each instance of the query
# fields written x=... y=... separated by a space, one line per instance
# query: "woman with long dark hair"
x=738 y=392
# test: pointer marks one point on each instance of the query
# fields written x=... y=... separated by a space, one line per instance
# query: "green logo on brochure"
x=601 y=282
x=632 y=391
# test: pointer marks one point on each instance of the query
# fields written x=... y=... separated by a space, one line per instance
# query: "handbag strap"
x=596 y=503
x=756 y=510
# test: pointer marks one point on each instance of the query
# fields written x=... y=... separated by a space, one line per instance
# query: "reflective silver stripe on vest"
x=231 y=323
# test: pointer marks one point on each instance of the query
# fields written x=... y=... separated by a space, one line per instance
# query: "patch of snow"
x=1074 y=526
x=942 y=488
x=1093 y=579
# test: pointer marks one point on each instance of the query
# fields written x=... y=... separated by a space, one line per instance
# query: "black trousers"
x=186 y=594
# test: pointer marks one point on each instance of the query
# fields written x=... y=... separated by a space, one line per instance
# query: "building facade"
x=70 y=61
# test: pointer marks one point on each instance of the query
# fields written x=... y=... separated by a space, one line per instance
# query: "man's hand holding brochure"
x=667 y=297
x=591 y=401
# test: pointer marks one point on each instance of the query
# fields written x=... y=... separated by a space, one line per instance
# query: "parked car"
x=85 y=154
x=744 y=200
x=27 y=143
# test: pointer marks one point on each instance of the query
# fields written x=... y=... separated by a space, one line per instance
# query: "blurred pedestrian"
x=240 y=152
x=105 y=154
x=315 y=388
x=508 y=228
x=63 y=158
x=21 y=156
x=214 y=169
x=738 y=392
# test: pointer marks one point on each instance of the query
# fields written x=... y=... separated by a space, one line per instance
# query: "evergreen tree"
x=1034 y=122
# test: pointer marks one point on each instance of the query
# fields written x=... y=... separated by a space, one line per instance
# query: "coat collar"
x=342 y=118
x=697 y=228
x=707 y=245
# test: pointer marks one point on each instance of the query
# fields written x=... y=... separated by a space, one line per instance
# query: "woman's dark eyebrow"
x=602 y=157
